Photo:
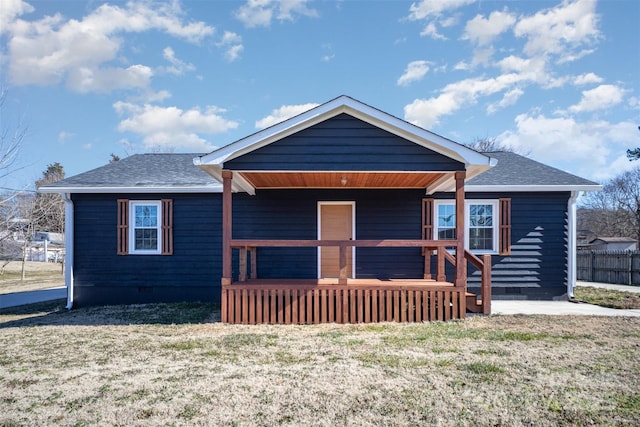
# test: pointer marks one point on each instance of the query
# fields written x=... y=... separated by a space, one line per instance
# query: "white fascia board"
x=237 y=184
x=129 y=190
x=345 y=104
x=530 y=188
x=419 y=135
x=268 y=135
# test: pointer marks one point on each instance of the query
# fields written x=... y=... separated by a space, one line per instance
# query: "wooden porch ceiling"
x=263 y=180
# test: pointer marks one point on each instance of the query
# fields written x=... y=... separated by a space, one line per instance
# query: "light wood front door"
x=335 y=223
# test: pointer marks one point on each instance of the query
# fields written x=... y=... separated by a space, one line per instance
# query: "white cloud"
x=427 y=112
x=260 y=13
x=10 y=10
x=432 y=31
x=177 y=67
x=414 y=72
x=560 y=30
x=565 y=143
x=429 y=8
x=172 y=128
x=509 y=98
x=588 y=78
x=482 y=31
x=53 y=49
x=232 y=42
x=63 y=136
x=600 y=98
x=432 y=11
x=283 y=113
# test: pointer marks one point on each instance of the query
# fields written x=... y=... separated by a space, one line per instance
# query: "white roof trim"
x=530 y=188
x=130 y=190
x=345 y=104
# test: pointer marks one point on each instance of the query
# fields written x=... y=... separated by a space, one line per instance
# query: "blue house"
x=341 y=214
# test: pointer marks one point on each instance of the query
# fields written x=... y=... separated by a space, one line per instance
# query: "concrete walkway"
x=566 y=307
x=31 y=297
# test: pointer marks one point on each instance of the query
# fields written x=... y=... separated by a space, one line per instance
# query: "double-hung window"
x=481 y=224
x=145 y=227
x=482 y=235
x=145 y=230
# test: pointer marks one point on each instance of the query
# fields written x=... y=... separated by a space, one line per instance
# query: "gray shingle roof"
x=516 y=170
x=144 y=172
x=176 y=172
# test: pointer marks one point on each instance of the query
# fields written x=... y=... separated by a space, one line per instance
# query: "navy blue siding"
x=537 y=266
x=344 y=143
x=191 y=273
x=535 y=270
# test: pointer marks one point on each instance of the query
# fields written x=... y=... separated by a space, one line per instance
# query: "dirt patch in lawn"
x=38 y=275
x=173 y=364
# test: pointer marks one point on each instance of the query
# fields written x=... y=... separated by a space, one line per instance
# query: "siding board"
x=344 y=143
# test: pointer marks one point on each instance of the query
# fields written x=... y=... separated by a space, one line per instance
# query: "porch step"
x=473 y=306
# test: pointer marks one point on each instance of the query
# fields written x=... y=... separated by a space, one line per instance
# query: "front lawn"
x=172 y=364
x=607 y=297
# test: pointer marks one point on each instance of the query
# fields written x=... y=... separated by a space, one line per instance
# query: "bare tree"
x=634 y=153
x=48 y=209
x=490 y=144
x=11 y=201
x=615 y=211
x=10 y=141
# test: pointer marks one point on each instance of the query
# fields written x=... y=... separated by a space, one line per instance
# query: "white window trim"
x=132 y=227
x=467 y=214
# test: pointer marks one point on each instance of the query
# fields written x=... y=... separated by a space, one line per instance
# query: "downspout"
x=69 y=243
x=571 y=243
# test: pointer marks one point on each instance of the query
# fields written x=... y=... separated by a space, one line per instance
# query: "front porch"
x=251 y=300
x=337 y=158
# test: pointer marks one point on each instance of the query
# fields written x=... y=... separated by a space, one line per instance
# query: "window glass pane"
x=146 y=216
x=447 y=234
x=481 y=215
x=446 y=216
x=446 y=222
x=146 y=239
x=481 y=238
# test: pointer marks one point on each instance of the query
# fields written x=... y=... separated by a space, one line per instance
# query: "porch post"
x=227 y=177
x=461 y=277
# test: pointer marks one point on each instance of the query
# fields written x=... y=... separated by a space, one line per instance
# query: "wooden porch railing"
x=297 y=301
x=277 y=303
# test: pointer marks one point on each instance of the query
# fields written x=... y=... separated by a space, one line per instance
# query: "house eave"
x=131 y=190
x=530 y=188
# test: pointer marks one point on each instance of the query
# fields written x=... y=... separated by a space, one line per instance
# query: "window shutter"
x=167 y=226
x=505 y=227
x=427 y=219
x=123 y=226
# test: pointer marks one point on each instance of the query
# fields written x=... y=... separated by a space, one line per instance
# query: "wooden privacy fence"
x=619 y=267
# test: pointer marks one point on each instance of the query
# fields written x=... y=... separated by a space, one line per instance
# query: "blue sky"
x=557 y=80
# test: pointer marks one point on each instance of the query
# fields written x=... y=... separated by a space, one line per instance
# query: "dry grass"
x=171 y=365
x=39 y=275
x=608 y=298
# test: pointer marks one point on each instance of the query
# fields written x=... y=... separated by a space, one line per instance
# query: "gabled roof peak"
x=474 y=161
